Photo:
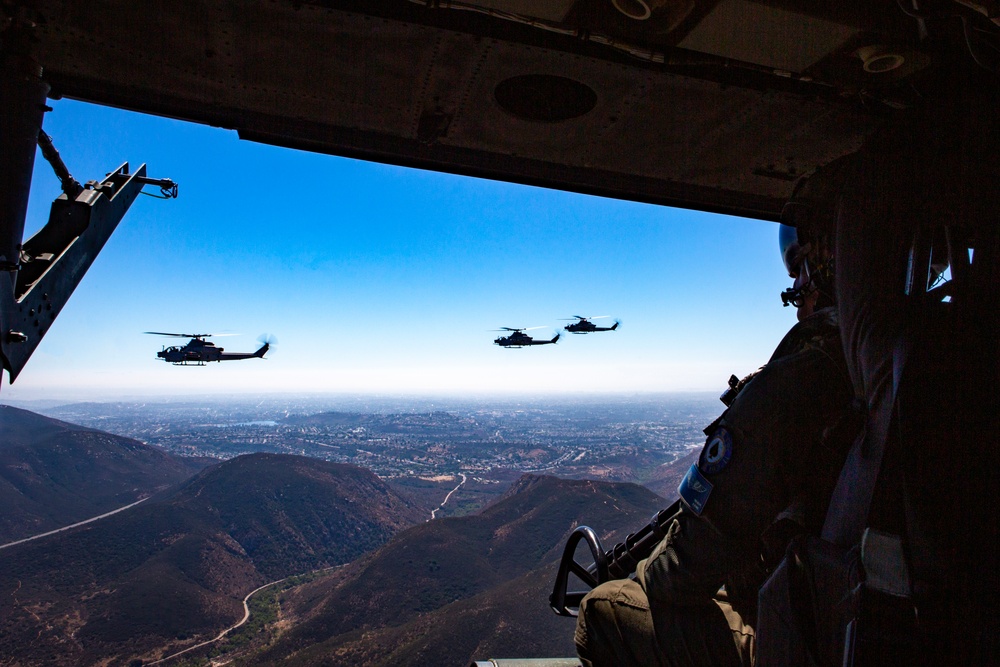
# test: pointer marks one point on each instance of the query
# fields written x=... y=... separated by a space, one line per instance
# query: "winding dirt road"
x=441 y=506
x=59 y=530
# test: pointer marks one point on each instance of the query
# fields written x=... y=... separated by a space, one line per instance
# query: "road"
x=59 y=530
x=246 y=617
x=441 y=506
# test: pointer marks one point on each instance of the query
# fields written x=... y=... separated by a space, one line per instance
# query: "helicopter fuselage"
x=198 y=352
x=586 y=326
x=518 y=339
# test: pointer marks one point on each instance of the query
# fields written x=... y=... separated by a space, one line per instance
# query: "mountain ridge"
x=54 y=474
x=448 y=577
x=173 y=570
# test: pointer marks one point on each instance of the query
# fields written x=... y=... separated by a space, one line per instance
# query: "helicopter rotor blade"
x=177 y=335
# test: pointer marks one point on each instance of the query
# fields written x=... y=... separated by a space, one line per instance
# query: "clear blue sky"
x=376 y=278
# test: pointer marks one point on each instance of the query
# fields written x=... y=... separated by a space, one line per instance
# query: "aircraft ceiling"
x=718 y=105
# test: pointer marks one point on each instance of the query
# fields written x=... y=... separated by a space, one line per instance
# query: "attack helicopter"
x=198 y=351
x=517 y=338
x=584 y=325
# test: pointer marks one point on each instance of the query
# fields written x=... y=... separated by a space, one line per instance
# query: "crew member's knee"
x=614 y=618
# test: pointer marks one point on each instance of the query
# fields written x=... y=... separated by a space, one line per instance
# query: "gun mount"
x=618 y=562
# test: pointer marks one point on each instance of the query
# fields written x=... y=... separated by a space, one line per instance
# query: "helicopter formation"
x=198 y=351
x=582 y=325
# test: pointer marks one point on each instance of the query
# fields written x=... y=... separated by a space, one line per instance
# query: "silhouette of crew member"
x=765 y=473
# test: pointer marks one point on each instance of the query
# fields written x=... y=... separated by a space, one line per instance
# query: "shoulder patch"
x=695 y=489
x=717 y=452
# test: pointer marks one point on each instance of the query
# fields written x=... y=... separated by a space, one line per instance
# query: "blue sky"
x=382 y=279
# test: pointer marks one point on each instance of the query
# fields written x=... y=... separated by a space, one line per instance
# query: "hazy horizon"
x=404 y=399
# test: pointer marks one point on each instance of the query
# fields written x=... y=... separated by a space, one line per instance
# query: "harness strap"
x=850 y=504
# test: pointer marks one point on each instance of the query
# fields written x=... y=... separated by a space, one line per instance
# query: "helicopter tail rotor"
x=267 y=341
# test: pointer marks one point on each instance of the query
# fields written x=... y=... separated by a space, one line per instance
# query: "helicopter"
x=518 y=338
x=584 y=325
x=198 y=351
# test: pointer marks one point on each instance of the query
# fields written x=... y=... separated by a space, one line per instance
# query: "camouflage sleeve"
x=771 y=434
x=688 y=566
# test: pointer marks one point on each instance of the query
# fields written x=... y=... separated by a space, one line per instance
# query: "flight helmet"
x=806 y=233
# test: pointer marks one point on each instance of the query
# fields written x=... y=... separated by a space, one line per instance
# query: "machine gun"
x=621 y=560
x=618 y=562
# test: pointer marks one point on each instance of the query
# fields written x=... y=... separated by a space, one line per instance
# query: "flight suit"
x=771 y=461
x=928 y=366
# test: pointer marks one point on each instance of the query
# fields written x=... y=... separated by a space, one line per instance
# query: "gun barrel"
x=625 y=556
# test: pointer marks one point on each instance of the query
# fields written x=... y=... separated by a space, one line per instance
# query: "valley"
x=322 y=533
x=423 y=446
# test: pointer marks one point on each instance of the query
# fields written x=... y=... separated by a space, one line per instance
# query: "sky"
x=379 y=279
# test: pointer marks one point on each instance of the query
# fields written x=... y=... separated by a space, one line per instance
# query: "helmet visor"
x=788 y=244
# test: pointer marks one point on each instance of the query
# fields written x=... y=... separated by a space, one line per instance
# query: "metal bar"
x=22 y=106
x=60 y=254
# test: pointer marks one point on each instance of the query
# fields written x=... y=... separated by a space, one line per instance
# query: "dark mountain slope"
x=667 y=477
x=175 y=569
x=397 y=591
x=54 y=474
x=510 y=620
x=305 y=511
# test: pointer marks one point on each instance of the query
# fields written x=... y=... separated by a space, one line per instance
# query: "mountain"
x=457 y=589
x=665 y=479
x=510 y=620
x=293 y=513
x=54 y=474
x=174 y=570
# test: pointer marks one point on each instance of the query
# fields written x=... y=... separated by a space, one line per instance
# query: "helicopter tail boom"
x=259 y=354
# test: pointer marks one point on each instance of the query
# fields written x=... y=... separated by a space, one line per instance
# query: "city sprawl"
x=485 y=441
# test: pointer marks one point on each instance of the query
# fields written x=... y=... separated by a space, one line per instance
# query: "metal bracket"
x=55 y=260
